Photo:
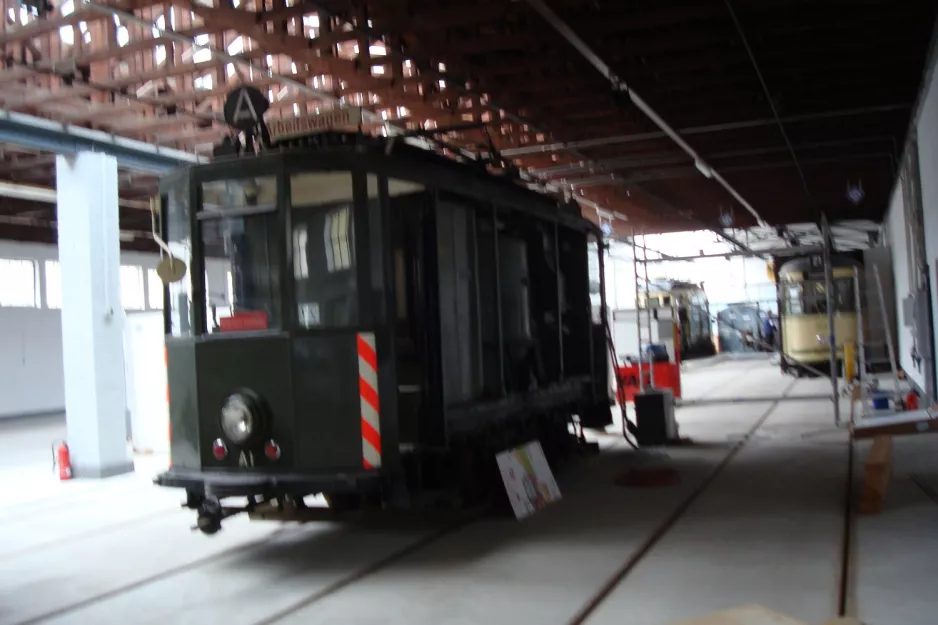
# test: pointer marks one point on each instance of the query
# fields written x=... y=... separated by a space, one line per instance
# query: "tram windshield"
x=810 y=297
x=239 y=230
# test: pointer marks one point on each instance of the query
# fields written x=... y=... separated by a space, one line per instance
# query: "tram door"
x=411 y=230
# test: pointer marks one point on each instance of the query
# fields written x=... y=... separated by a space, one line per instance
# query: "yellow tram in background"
x=803 y=311
x=691 y=309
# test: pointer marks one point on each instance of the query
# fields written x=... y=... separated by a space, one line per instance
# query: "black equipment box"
x=654 y=417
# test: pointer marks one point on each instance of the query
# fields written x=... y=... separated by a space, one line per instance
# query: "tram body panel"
x=805 y=336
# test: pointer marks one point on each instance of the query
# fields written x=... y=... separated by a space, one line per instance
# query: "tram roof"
x=337 y=151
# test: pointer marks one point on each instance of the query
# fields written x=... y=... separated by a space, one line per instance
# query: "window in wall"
x=154 y=290
x=53 y=284
x=18 y=283
x=131 y=283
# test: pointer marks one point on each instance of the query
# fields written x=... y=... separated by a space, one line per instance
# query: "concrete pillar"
x=92 y=319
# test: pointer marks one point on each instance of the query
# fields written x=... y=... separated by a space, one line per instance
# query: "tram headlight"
x=239 y=420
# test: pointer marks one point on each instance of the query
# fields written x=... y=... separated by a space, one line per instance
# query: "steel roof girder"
x=50 y=136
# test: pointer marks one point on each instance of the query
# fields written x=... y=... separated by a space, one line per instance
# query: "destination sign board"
x=280 y=129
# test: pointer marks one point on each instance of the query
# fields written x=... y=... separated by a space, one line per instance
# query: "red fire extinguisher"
x=63 y=459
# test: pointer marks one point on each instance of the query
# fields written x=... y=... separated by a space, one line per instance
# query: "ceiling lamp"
x=855 y=193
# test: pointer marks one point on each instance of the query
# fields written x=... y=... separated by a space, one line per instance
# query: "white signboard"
x=528 y=479
x=280 y=129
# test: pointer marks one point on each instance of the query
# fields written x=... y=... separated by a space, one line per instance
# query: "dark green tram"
x=394 y=319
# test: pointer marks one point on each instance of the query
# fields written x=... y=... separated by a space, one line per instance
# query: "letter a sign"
x=245 y=108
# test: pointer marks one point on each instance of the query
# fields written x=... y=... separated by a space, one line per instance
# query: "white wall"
x=738 y=279
x=31 y=361
x=897 y=240
x=927 y=132
x=31 y=374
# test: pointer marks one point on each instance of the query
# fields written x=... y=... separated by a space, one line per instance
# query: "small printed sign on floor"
x=744 y=615
x=528 y=479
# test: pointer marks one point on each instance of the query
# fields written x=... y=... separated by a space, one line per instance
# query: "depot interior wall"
x=927 y=135
x=897 y=235
x=31 y=370
x=726 y=281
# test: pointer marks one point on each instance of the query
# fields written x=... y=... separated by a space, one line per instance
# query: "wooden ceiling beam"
x=164 y=72
x=47 y=25
x=197 y=135
x=44 y=96
x=15 y=74
x=394 y=18
x=131 y=48
x=530 y=40
x=48 y=234
x=300 y=9
x=146 y=124
x=96 y=110
x=252 y=25
x=299 y=49
x=20 y=164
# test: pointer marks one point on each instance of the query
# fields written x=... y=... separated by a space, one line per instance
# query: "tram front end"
x=272 y=376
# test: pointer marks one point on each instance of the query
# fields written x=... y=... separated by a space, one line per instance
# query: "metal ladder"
x=878 y=335
x=863 y=368
x=643 y=321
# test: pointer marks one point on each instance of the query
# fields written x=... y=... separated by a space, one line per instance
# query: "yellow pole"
x=850 y=365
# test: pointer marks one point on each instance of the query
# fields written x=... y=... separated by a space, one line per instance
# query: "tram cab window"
x=179 y=239
x=323 y=239
x=793 y=299
x=240 y=234
x=810 y=297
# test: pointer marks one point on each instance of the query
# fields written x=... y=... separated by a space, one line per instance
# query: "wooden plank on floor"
x=876 y=475
x=745 y=615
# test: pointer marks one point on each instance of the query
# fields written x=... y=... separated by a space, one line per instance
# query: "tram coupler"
x=210 y=515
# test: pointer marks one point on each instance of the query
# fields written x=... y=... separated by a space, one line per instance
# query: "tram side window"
x=324 y=264
x=592 y=247
x=246 y=245
x=179 y=240
x=846 y=302
x=810 y=298
x=793 y=303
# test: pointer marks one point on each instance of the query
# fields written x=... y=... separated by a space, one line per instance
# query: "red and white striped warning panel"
x=368 y=392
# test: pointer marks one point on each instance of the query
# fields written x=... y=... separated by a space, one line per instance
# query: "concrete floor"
x=766 y=530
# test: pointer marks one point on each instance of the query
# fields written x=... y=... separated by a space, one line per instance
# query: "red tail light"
x=219 y=449
x=272 y=450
